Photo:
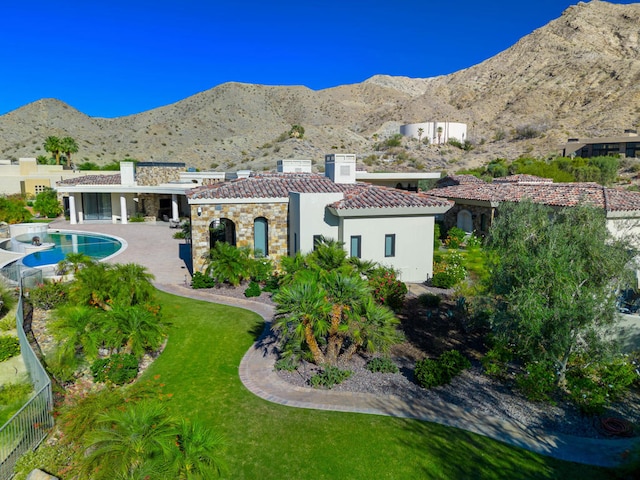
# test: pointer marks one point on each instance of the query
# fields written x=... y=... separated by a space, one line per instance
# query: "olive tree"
x=554 y=279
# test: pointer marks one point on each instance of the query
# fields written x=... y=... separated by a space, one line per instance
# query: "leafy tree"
x=554 y=277
x=13 y=209
x=53 y=145
x=68 y=145
x=47 y=203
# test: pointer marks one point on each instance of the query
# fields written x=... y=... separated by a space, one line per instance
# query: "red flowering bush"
x=387 y=289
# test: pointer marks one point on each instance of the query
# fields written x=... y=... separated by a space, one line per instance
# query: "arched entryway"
x=261 y=237
x=223 y=230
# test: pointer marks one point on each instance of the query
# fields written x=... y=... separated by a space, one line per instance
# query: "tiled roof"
x=553 y=194
x=92 y=180
x=268 y=185
x=369 y=196
x=522 y=178
x=450 y=180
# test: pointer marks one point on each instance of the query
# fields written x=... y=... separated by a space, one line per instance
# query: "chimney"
x=340 y=167
x=127 y=174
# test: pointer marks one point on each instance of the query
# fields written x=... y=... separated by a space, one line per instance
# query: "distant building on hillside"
x=627 y=145
x=437 y=132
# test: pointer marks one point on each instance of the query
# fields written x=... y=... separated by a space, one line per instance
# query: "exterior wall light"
x=199 y=211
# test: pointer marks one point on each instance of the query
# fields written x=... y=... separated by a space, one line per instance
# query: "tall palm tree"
x=197 y=452
x=439 y=130
x=130 y=443
x=68 y=145
x=52 y=145
x=303 y=315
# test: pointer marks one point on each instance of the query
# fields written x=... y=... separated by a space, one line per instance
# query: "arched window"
x=465 y=222
x=261 y=237
x=223 y=230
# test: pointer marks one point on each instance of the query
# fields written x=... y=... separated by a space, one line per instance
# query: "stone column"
x=123 y=209
x=174 y=207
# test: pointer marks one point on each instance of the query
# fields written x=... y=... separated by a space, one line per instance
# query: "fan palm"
x=303 y=315
x=197 y=452
x=52 y=145
x=130 y=443
x=68 y=145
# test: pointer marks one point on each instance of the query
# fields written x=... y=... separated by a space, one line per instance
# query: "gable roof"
x=552 y=194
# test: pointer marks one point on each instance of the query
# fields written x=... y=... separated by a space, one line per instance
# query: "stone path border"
x=257 y=373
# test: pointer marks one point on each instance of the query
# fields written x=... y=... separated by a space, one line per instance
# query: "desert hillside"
x=577 y=76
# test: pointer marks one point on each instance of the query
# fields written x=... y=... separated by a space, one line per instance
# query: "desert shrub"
x=429 y=300
x=387 y=289
x=495 y=362
x=288 y=364
x=455 y=237
x=449 y=271
x=595 y=386
x=537 y=382
x=137 y=218
x=253 y=290
x=118 y=369
x=524 y=132
x=329 y=377
x=9 y=347
x=431 y=373
x=200 y=280
x=382 y=365
x=49 y=295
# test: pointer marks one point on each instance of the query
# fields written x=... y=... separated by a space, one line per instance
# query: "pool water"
x=92 y=245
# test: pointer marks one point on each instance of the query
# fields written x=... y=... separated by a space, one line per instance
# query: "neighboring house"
x=27 y=177
x=477 y=202
x=627 y=145
x=280 y=214
x=436 y=132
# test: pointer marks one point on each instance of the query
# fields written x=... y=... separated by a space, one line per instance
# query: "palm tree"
x=92 y=286
x=135 y=328
x=228 y=263
x=131 y=284
x=131 y=443
x=68 y=145
x=197 y=455
x=77 y=328
x=420 y=132
x=344 y=293
x=303 y=315
x=73 y=262
x=328 y=255
x=52 y=145
x=439 y=130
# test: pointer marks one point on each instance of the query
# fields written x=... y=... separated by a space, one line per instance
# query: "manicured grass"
x=199 y=369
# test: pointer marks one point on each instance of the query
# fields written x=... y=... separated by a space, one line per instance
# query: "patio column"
x=123 y=209
x=73 y=218
x=174 y=207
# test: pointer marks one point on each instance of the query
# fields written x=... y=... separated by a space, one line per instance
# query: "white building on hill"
x=437 y=132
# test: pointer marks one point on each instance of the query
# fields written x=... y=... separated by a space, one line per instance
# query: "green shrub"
x=495 y=362
x=137 y=218
x=449 y=271
x=9 y=347
x=473 y=242
x=288 y=364
x=118 y=369
x=593 y=387
x=200 y=280
x=253 y=290
x=429 y=300
x=329 y=377
x=13 y=396
x=49 y=295
x=387 y=289
x=49 y=458
x=431 y=373
x=538 y=382
x=455 y=237
x=261 y=269
x=272 y=284
x=382 y=365
x=436 y=236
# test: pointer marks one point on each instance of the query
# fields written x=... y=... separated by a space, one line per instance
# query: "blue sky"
x=114 y=58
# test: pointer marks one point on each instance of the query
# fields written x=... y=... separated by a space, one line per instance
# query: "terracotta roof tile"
x=370 y=196
x=522 y=178
x=92 y=180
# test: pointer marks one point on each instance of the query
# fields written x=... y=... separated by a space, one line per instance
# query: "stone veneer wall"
x=243 y=215
x=451 y=218
x=157 y=175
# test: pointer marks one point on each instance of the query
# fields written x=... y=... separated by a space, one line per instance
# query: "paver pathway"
x=154 y=247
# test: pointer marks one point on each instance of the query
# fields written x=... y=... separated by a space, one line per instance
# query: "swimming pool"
x=93 y=245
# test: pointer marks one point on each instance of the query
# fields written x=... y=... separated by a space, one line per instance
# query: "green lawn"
x=199 y=368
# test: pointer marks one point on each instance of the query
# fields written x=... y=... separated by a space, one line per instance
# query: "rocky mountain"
x=577 y=76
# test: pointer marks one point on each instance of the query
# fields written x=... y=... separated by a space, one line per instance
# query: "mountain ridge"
x=577 y=76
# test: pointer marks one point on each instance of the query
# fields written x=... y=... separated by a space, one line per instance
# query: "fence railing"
x=29 y=426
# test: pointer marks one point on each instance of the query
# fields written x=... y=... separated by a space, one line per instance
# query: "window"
x=356 y=246
x=260 y=237
x=390 y=245
x=317 y=240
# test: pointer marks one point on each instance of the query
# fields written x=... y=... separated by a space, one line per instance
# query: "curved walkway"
x=154 y=247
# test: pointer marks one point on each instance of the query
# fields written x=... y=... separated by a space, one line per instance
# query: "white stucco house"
x=438 y=133
x=281 y=214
